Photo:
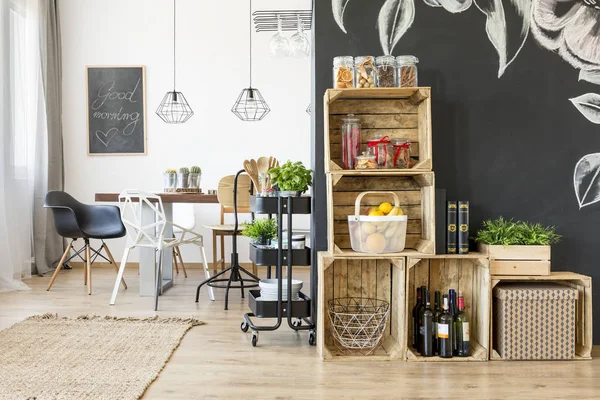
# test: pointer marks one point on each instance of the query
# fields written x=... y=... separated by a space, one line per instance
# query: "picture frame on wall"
x=116 y=110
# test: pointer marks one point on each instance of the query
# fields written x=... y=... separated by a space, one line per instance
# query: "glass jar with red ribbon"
x=399 y=150
x=379 y=148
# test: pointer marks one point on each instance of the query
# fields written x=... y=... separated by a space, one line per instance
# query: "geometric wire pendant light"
x=174 y=108
x=250 y=105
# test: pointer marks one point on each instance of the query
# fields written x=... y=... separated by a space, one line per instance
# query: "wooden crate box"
x=469 y=274
x=583 y=318
x=393 y=112
x=417 y=200
x=381 y=278
x=517 y=260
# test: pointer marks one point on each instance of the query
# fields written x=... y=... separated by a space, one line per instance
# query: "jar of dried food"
x=350 y=140
x=386 y=71
x=343 y=72
x=365 y=72
x=407 y=71
x=399 y=150
x=379 y=148
x=366 y=161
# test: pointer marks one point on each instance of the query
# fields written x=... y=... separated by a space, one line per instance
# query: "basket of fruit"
x=382 y=231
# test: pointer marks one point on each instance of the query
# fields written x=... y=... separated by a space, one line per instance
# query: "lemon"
x=376 y=243
x=376 y=213
x=385 y=207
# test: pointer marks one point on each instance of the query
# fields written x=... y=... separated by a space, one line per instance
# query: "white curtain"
x=23 y=134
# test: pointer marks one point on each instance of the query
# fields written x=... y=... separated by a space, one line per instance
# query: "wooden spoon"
x=263 y=169
x=252 y=170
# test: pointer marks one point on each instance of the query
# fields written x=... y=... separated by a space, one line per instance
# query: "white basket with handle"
x=377 y=235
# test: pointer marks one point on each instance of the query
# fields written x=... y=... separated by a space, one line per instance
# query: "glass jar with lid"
x=343 y=72
x=365 y=71
x=399 y=151
x=366 y=161
x=379 y=148
x=386 y=71
x=350 y=140
x=407 y=71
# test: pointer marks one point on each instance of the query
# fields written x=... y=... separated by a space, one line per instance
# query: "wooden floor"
x=217 y=361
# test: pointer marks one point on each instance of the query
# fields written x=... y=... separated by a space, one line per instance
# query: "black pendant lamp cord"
x=174 y=33
x=250 y=36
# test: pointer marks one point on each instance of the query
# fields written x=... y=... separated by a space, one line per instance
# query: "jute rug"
x=86 y=357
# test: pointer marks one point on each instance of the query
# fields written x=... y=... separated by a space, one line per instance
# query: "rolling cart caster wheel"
x=254 y=338
x=297 y=322
x=312 y=337
x=244 y=326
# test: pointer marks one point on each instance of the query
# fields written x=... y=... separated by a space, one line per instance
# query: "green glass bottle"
x=426 y=328
x=461 y=329
x=437 y=310
x=415 y=315
x=444 y=330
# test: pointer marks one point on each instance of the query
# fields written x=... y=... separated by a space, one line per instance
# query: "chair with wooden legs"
x=183 y=215
x=74 y=220
x=225 y=197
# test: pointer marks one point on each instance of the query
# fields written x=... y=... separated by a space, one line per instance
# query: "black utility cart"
x=297 y=311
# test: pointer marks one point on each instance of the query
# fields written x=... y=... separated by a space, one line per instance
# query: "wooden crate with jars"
x=378 y=129
x=434 y=333
x=361 y=308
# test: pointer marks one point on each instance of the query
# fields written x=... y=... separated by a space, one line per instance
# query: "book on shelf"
x=463 y=227
x=451 y=221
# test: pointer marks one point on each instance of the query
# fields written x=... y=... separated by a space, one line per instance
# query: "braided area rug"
x=86 y=357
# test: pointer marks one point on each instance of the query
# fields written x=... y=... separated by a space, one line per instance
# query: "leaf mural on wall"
x=395 y=17
x=590 y=76
x=586 y=180
x=338 y=7
x=589 y=105
x=456 y=6
x=508 y=39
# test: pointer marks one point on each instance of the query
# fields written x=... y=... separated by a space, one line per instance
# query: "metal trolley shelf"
x=298 y=311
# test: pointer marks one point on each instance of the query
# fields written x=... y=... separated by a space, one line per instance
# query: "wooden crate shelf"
x=417 y=199
x=469 y=274
x=392 y=112
x=583 y=318
x=382 y=278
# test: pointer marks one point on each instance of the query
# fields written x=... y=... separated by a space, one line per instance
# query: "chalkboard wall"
x=509 y=144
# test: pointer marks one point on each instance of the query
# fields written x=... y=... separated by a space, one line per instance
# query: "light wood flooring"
x=217 y=360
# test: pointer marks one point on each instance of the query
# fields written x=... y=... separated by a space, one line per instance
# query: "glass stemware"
x=279 y=44
x=299 y=44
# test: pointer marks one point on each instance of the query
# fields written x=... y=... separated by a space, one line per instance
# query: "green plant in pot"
x=261 y=230
x=183 y=177
x=292 y=178
x=505 y=232
x=170 y=180
x=195 y=175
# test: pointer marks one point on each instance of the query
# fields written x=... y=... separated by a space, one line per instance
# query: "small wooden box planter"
x=469 y=274
x=393 y=112
x=417 y=199
x=377 y=277
x=583 y=317
x=517 y=260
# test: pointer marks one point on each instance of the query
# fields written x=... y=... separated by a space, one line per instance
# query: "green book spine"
x=451 y=221
x=463 y=227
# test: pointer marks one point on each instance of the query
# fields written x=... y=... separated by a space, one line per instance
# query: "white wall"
x=212 y=68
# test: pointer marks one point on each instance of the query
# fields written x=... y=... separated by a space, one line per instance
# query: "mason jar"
x=343 y=72
x=379 y=148
x=399 y=150
x=407 y=71
x=350 y=140
x=386 y=71
x=365 y=72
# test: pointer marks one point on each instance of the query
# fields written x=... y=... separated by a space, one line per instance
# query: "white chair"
x=152 y=235
x=183 y=215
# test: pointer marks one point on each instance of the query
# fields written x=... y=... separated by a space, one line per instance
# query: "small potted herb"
x=170 y=180
x=195 y=175
x=261 y=230
x=292 y=179
x=517 y=247
x=183 y=178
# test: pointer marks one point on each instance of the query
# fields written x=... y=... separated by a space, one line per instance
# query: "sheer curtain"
x=24 y=135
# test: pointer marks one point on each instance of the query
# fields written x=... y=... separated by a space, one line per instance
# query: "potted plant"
x=170 y=180
x=261 y=230
x=183 y=178
x=195 y=175
x=517 y=247
x=292 y=179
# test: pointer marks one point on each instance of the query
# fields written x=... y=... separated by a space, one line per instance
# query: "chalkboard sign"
x=116 y=110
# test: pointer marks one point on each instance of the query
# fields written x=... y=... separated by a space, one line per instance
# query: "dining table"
x=147 y=263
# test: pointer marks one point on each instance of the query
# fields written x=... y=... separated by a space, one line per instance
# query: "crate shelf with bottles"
x=469 y=274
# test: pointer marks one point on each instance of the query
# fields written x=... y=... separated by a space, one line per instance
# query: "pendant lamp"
x=174 y=108
x=250 y=105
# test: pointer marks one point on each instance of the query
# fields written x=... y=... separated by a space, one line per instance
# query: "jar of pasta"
x=343 y=72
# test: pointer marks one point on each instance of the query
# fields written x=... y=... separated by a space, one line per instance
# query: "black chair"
x=74 y=220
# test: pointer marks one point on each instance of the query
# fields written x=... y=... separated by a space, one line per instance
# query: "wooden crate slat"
x=363 y=183
x=374 y=106
x=411 y=134
x=384 y=286
x=381 y=121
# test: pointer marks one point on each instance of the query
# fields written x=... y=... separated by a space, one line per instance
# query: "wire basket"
x=358 y=323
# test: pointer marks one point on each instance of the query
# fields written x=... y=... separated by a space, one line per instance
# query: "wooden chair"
x=225 y=197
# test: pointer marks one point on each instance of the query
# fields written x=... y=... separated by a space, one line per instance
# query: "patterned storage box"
x=534 y=321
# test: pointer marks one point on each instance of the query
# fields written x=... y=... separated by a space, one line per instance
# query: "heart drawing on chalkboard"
x=105 y=138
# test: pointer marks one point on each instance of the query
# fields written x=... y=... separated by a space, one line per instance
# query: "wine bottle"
x=453 y=310
x=415 y=315
x=426 y=328
x=461 y=329
x=418 y=320
x=437 y=310
x=444 y=330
